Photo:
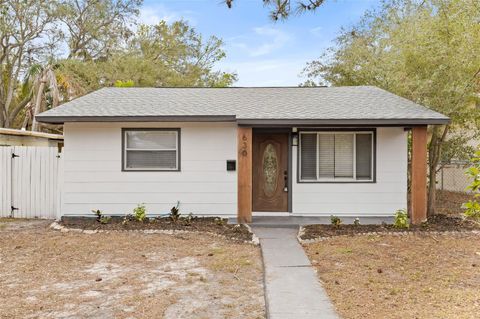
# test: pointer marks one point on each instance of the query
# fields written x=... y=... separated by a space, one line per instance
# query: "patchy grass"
x=49 y=274
x=381 y=276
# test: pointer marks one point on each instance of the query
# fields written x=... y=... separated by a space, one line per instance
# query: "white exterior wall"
x=94 y=180
x=382 y=198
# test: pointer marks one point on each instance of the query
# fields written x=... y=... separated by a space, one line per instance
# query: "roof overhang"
x=342 y=122
x=173 y=118
x=245 y=122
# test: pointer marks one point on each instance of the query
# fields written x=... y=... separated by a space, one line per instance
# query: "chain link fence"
x=451 y=177
x=451 y=188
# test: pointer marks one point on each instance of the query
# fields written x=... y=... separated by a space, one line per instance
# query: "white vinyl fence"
x=30 y=181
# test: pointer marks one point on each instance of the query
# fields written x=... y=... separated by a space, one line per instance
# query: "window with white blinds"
x=153 y=149
x=336 y=156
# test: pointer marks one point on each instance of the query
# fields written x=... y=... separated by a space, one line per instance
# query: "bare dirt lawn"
x=49 y=274
x=451 y=202
x=418 y=276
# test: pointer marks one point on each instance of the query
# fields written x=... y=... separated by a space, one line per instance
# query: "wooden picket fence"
x=30 y=181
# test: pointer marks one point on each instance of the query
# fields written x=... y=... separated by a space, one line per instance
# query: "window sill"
x=150 y=170
x=338 y=181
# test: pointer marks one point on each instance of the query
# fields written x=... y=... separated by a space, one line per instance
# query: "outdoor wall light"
x=294 y=139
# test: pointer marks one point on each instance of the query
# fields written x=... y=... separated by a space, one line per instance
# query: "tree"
x=427 y=52
x=105 y=48
x=160 y=55
x=45 y=90
x=23 y=23
x=97 y=27
x=282 y=9
x=472 y=207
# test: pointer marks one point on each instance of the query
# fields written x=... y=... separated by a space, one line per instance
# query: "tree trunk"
x=28 y=114
x=38 y=103
x=434 y=152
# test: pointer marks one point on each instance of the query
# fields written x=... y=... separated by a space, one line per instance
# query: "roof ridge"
x=239 y=87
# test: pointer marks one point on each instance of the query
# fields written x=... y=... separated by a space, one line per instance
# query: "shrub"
x=401 y=219
x=140 y=212
x=174 y=213
x=97 y=213
x=356 y=221
x=105 y=219
x=220 y=221
x=335 y=221
x=127 y=218
x=472 y=207
x=124 y=84
x=187 y=221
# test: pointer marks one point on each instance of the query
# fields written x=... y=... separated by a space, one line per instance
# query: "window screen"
x=326 y=155
x=309 y=155
x=344 y=155
x=364 y=156
x=151 y=149
x=331 y=156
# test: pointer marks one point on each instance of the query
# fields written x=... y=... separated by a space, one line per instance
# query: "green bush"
x=472 y=207
x=105 y=219
x=356 y=222
x=97 y=213
x=124 y=84
x=335 y=221
x=174 y=213
x=401 y=219
x=140 y=213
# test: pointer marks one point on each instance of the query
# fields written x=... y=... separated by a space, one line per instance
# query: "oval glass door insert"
x=270 y=170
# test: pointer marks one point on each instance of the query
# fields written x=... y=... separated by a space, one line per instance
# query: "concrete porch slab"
x=295 y=221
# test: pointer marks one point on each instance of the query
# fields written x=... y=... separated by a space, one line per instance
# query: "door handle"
x=285 y=178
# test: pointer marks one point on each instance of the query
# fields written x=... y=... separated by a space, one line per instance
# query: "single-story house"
x=242 y=151
x=14 y=137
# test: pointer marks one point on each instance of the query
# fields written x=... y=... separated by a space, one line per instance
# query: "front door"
x=270 y=172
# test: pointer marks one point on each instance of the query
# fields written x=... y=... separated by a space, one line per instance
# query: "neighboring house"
x=234 y=151
x=13 y=137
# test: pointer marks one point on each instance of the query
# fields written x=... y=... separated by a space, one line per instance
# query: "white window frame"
x=338 y=179
x=125 y=149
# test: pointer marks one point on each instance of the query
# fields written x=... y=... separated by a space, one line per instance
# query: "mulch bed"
x=439 y=223
x=196 y=224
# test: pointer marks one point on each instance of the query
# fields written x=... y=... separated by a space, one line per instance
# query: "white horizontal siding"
x=150 y=187
x=381 y=198
x=84 y=209
x=93 y=178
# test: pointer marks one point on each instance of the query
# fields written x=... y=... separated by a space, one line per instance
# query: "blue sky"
x=261 y=52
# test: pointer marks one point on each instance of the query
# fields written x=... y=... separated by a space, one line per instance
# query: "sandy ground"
x=401 y=277
x=48 y=274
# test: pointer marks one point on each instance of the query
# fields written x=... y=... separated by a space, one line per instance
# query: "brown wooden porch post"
x=418 y=187
x=244 y=213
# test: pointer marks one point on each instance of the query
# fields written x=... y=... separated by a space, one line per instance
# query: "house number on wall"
x=243 y=149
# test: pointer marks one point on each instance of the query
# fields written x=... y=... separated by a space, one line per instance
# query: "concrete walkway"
x=292 y=289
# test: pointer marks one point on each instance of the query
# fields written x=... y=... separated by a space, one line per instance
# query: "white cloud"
x=271 y=39
x=153 y=14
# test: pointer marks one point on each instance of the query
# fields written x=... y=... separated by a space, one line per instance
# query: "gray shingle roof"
x=334 y=105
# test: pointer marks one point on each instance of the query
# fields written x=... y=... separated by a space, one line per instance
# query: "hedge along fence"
x=30 y=183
